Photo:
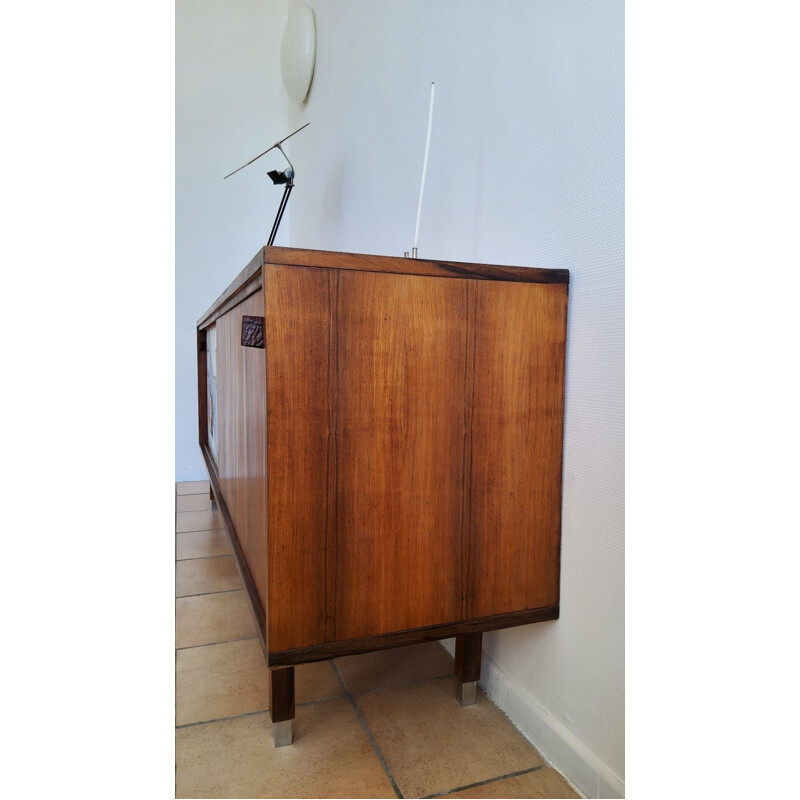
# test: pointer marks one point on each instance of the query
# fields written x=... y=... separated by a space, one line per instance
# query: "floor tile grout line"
x=409 y=684
x=243 y=715
x=206 y=594
x=305 y=703
x=212 y=644
x=485 y=782
x=181 y=494
x=199 y=530
x=321 y=700
x=367 y=731
x=200 y=558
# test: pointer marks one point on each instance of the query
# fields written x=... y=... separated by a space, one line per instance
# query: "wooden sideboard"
x=384 y=441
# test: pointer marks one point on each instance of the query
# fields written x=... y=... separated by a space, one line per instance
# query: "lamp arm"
x=284 y=200
x=291 y=166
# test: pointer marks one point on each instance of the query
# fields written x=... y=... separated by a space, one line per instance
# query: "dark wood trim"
x=202 y=388
x=281 y=694
x=247 y=577
x=351 y=647
x=563 y=440
x=240 y=289
x=468 y=657
x=410 y=266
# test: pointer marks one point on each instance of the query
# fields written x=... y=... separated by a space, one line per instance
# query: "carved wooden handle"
x=252 y=331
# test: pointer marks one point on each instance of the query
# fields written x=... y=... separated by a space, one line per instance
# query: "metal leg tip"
x=467 y=693
x=282 y=733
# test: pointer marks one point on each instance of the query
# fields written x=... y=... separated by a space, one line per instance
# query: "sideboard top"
x=328 y=259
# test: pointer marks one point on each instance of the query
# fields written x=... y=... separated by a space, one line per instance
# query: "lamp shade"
x=298 y=52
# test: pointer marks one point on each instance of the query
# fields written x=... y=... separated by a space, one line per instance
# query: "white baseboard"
x=560 y=747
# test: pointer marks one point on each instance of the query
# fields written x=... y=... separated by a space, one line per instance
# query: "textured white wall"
x=527 y=168
x=229 y=106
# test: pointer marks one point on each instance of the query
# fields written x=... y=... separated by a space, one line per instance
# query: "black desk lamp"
x=286 y=178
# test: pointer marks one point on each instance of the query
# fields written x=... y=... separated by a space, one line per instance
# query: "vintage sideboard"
x=383 y=438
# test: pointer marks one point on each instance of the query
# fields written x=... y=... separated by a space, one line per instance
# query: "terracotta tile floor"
x=384 y=724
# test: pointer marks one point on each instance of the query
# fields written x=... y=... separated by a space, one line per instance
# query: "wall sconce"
x=298 y=52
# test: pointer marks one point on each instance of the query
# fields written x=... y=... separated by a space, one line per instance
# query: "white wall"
x=230 y=106
x=526 y=168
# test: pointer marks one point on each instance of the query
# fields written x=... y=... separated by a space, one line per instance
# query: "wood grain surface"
x=515 y=461
x=299 y=453
x=391 y=461
x=241 y=402
x=400 y=377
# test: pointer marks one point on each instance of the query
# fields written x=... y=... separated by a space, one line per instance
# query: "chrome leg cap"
x=467 y=693
x=282 y=733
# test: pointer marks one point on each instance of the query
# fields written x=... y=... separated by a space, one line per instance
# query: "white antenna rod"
x=424 y=170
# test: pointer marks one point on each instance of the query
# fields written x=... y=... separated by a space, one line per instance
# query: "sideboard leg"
x=213 y=501
x=468 y=667
x=281 y=704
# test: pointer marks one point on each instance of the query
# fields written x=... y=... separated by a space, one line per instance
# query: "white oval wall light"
x=298 y=52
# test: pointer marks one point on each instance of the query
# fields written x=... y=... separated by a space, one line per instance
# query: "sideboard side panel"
x=299 y=450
